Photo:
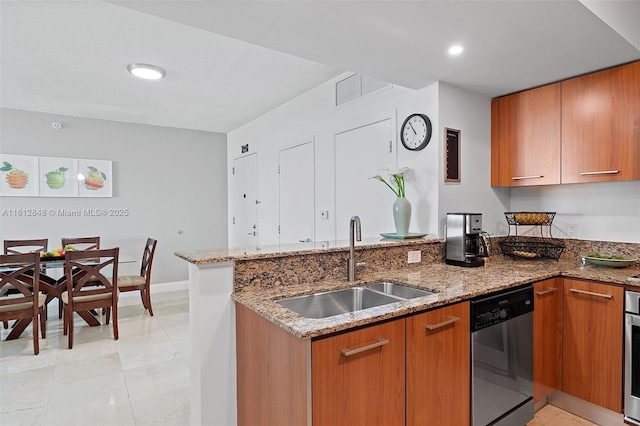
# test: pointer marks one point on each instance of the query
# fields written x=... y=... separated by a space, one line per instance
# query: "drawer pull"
x=526 y=177
x=549 y=290
x=590 y=293
x=603 y=172
x=451 y=320
x=381 y=342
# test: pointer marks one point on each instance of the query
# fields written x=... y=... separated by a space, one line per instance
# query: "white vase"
x=402 y=215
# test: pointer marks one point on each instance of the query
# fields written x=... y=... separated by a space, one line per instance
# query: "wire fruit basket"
x=531 y=247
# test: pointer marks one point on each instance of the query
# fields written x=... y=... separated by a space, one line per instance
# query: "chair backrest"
x=82 y=243
x=21 y=273
x=25 y=246
x=91 y=268
x=147 y=258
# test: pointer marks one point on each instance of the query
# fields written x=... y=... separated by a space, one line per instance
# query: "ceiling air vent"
x=357 y=86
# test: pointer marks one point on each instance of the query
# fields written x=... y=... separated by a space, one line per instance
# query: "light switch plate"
x=414 y=256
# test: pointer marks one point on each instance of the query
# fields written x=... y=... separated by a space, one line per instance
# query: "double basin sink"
x=336 y=302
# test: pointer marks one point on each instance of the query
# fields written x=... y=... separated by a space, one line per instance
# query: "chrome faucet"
x=354 y=234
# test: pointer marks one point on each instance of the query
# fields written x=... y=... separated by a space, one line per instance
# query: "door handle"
x=381 y=342
x=526 y=177
x=550 y=290
x=252 y=233
x=308 y=240
x=451 y=320
x=601 y=172
x=591 y=293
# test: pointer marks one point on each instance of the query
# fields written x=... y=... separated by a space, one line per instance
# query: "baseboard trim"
x=586 y=410
x=155 y=289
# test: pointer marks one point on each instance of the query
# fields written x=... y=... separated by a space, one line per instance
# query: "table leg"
x=18 y=328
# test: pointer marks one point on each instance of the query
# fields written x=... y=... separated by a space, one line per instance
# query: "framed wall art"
x=58 y=177
x=25 y=175
x=94 y=178
x=19 y=175
x=451 y=155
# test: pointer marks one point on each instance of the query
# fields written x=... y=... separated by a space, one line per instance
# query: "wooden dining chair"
x=22 y=272
x=82 y=243
x=83 y=268
x=20 y=247
x=79 y=243
x=25 y=246
x=141 y=282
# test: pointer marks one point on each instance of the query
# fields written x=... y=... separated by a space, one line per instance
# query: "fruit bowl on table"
x=609 y=260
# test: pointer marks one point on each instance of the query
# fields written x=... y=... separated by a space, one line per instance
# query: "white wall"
x=470 y=113
x=607 y=211
x=601 y=211
x=169 y=179
x=313 y=114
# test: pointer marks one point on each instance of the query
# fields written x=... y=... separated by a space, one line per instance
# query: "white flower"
x=396 y=176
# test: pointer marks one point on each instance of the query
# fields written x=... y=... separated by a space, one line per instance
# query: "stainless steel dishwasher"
x=502 y=358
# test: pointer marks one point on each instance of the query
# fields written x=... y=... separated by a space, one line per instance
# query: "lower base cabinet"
x=358 y=377
x=418 y=365
x=547 y=338
x=439 y=367
x=593 y=342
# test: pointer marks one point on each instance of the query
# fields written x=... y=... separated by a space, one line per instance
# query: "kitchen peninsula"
x=254 y=278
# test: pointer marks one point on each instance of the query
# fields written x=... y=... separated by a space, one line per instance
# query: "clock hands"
x=414 y=130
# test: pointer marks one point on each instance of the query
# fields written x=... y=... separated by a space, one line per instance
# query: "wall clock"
x=415 y=132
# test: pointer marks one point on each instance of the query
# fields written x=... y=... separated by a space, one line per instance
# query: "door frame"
x=233 y=206
x=303 y=141
x=354 y=125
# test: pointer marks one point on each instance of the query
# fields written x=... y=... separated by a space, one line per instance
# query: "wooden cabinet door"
x=592 y=342
x=601 y=126
x=526 y=136
x=438 y=367
x=358 y=377
x=547 y=338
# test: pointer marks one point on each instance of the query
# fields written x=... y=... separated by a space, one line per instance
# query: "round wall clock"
x=415 y=132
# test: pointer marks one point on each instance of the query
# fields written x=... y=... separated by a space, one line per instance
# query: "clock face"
x=416 y=132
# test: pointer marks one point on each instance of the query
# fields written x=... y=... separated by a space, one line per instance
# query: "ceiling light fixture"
x=456 y=50
x=146 y=71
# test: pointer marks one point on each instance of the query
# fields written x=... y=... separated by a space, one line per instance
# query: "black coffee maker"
x=464 y=240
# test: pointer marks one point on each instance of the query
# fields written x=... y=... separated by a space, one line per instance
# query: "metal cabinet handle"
x=603 y=172
x=451 y=320
x=526 y=177
x=549 y=290
x=590 y=293
x=348 y=352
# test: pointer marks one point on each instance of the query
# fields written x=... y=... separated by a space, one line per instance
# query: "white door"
x=360 y=153
x=297 y=195
x=245 y=201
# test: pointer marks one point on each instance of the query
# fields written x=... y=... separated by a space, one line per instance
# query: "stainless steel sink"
x=399 y=290
x=322 y=305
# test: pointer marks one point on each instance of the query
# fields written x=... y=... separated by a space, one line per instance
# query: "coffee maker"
x=465 y=244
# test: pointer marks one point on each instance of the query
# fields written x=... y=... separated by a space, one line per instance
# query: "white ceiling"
x=228 y=62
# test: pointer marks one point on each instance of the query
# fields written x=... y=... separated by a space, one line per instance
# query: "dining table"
x=53 y=286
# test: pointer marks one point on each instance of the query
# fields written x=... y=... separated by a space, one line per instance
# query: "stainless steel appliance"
x=465 y=244
x=502 y=358
x=632 y=358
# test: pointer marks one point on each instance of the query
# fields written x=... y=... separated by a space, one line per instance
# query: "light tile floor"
x=140 y=379
x=553 y=416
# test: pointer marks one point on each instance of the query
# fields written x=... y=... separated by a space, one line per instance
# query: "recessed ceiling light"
x=146 y=71
x=456 y=50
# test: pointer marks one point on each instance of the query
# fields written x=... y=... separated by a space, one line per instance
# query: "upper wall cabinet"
x=586 y=129
x=525 y=138
x=601 y=126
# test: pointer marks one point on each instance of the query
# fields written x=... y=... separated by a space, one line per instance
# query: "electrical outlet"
x=414 y=256
x=572 y=229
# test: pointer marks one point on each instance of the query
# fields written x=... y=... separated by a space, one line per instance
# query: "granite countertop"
x=451 y=284
x=205 y=256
